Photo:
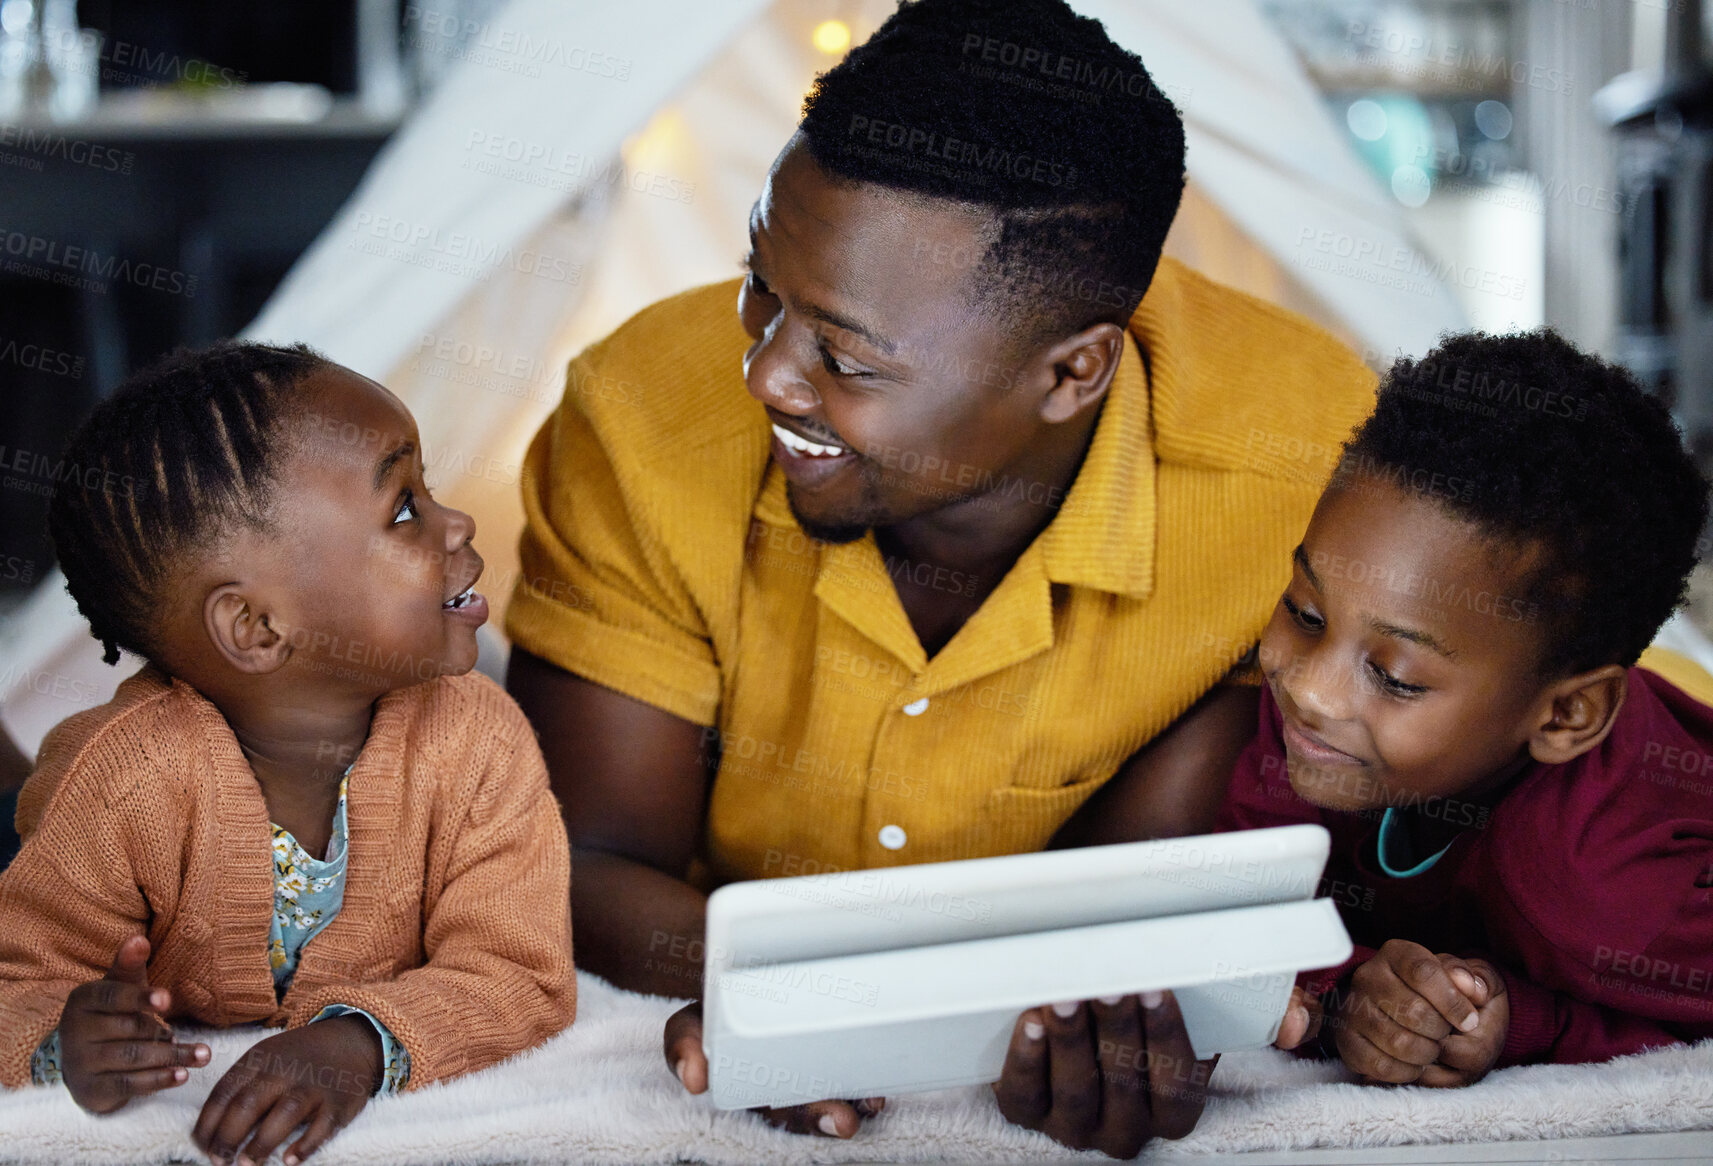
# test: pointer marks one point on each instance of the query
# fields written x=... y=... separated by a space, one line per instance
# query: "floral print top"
x=308 y=893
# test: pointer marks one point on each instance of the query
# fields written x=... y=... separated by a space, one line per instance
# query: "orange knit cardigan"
x=143 y=817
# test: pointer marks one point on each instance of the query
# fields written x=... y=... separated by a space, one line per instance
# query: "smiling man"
x=943 y=545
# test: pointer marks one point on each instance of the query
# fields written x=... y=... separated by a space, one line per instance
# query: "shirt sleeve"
x=395 y=1058
x=497 y=976
x=599 y=594
x=1561 y=1029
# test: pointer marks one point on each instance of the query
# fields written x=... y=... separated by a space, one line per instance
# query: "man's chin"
x=829 y=528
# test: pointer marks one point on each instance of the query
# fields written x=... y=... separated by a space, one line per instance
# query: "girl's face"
x=376 y=579
x=1400 y=655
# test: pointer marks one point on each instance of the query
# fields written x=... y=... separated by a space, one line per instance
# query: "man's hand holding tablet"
x=1101 y=1075
x=926 y=977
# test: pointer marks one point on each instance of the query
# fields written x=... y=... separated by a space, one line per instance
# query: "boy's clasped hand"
x=1410 y=1017
x=115 y=1045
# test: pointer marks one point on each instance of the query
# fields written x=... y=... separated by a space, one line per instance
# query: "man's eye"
x=836 y=366
x=1307 y=620
x=406 y=510
x=758 y=286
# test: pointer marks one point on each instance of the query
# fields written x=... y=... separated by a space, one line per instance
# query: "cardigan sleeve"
x=497 y=976
x=67 y=902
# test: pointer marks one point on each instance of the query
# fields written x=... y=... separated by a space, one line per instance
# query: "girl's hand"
x=1401 y=1005
x=113 y=1043
x=319 y=1076
x=1465 y=1058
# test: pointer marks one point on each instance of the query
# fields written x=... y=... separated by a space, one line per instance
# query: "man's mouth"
x=803 y=447
x=463 y=599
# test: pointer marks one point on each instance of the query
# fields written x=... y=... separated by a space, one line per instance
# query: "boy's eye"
x=407 y=509
x=758 y=286
x=1305 y=619
x=1392 y=684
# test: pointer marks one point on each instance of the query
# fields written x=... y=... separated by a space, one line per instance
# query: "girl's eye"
x=836 y=366
x=1307 y=620
x=406 y=510
x=1392 y=684
x=758 y=286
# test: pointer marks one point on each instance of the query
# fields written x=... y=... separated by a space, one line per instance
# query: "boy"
x=1522 y=832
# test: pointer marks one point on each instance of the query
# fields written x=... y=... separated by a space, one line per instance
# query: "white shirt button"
x=892 y=837
x=916 y=708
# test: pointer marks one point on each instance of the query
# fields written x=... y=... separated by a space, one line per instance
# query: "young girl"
x=303 y=812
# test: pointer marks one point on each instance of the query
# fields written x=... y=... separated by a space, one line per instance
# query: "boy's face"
x=1400 y=655
x=375 y=577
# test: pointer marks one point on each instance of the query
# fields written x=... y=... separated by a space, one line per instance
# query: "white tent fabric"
x=580 y=162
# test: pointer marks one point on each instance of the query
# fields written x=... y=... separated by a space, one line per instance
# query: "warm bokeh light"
x=832 y=36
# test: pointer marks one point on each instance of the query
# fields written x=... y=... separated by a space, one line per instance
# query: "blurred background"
x=454 y=196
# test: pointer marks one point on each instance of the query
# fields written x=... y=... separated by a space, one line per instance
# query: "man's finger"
x=1073 y=1075
x=1023 y=1091
x=682 y=1041
x=1177 y=1082
x=827 y=1119
x=1427 y=977
x=1121 y=1049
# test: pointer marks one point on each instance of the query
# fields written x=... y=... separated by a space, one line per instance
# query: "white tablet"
x=909 y=978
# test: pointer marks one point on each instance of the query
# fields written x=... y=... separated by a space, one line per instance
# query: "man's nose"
x=774 y=374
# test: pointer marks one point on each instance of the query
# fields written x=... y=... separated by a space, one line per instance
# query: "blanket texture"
x=601 y=1093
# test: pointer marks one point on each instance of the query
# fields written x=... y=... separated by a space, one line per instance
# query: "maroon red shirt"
x=1589 y=885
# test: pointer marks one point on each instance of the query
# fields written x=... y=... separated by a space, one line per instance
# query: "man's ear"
x=1577 y=713
x=1082 y=366
x=241 y=632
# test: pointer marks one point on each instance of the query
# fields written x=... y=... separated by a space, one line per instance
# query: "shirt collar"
x=1103 y=535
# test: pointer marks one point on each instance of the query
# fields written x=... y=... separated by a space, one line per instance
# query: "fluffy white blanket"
x=600 y=1093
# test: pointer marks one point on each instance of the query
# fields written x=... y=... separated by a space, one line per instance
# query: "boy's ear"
x=241 y=632
x=1578 y=713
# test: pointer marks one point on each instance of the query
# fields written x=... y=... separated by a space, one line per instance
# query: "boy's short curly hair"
x=183 y=452
x=1032 y=113
x=1538 y=444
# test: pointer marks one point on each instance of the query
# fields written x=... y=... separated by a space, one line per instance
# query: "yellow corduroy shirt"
x=660 y=559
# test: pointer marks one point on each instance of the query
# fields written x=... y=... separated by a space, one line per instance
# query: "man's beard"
x=836 y=530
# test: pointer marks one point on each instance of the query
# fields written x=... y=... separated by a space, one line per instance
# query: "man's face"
x=891 y=396
x=1401 y=658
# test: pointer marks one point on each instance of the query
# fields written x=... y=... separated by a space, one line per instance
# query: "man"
x=963 y=571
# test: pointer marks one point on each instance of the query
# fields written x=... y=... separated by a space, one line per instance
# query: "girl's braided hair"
x=183 y=452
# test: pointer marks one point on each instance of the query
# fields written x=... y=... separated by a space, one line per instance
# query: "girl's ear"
x=1577 y=713
x=243 y=634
